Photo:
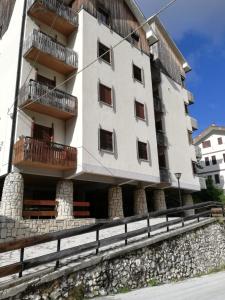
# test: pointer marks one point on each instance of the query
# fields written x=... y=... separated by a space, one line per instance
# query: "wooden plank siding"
x=122 y=20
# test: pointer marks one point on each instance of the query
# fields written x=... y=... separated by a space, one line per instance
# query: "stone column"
x=159 y=200
x=115 y=202
x=188 y=201
x=140 y=202
x=12 y=196
x=64 y=197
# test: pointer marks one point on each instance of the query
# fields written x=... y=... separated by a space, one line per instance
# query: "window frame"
x=206 y=144
x=147 y=152
x=99 y=94
x=113 y=141
x=102 y=57
x=133 y=72
x=220 y=141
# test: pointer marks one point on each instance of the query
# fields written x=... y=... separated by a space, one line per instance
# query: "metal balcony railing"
x=42 y=94
x=161 y=139
x=57 y=7
x=165 y=175
x=158 y=106
x=46 y=44
x=41 y=153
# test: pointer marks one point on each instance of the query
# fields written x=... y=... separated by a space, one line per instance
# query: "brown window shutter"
x=140 y=110
x=105 y=94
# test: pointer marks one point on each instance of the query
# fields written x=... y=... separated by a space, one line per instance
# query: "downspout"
x=18 y=76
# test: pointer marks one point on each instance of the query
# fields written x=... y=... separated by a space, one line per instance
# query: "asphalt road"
x=209 y=287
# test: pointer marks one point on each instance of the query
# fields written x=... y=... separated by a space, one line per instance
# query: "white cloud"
x=206 y=17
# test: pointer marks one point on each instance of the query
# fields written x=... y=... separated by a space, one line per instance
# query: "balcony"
x=161 y=139
x=190 y=97
x=44 y=155
x=158 y=106
x=165 y=175
x=43 y=49
x=194 y=123
x=38 y=97
x=49 y=12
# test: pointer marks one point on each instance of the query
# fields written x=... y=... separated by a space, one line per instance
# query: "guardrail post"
x=58 y=250
x=21 y=260
x=149 y=227
x=97 y=239
x=167 y=227
x=126 y=242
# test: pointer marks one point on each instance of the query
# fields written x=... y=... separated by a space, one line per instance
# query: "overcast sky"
x=198 y=28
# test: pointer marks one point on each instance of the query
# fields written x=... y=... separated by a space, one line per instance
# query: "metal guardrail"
x=58 y=7
x=46 y=44
x=42 y=94
x=22 y=244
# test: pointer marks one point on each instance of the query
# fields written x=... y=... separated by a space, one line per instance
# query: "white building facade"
x=212 y=145
x=113 y=132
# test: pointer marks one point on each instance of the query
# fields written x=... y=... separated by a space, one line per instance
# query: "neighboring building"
x=212 y=145
x=112 y=136
x=6 y=10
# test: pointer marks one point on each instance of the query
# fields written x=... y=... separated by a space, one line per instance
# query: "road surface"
x=209 y=287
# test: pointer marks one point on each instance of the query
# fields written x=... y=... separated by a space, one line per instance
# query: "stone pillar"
x=64 y=197
x=140 y=202
x=159 y=200
x=12 y=196
x=115 y=202
x=188 y=201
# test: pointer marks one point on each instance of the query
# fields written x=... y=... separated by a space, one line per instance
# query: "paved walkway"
x=209 y=287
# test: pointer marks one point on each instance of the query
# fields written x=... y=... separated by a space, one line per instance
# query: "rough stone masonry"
x=186 y=255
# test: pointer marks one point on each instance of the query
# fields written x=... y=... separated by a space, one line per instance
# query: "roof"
x=207 y=132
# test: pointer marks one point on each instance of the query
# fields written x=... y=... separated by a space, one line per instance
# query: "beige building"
x=104 y=141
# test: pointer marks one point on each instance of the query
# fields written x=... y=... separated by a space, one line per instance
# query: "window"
x=214 y=161
x=206 y=144
x=207 y=162
x=135 y=38
x=104 y=49
x=105 y=94
x=140 y=110
x=46 y=81
x=217 y=178
x=142 y=151
x=103 y=15
x=220 y=141
x=137 y=73
x=224 y=157
x=106 y=140
x=43 y=133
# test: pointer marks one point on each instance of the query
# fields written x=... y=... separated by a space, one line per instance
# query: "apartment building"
x=105 y=140
x=211 y=143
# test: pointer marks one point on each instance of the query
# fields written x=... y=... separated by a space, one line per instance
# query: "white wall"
x=177 y=124
x=9 y=49
x=121 y=118
x=215 y=150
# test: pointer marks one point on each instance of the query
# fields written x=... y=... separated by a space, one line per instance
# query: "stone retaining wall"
x=12 y=229
x=174 y=256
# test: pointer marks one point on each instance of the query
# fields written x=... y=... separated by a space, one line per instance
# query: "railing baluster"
x=21 y=261
x=125 y=227
x=58 y=250
x=149 y=227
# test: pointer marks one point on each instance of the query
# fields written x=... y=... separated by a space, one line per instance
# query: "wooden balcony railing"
x=41 y=154
x=61 y=17
x=48 y=52
x=38 y=97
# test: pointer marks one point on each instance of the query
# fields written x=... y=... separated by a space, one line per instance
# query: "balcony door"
x=43 y=133
x=46 y=81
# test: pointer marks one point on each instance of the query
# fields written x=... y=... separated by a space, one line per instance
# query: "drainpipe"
x=18 y=76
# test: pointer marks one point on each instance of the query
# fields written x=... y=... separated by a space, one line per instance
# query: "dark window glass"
x=159 y=126
x=217 y=178
x=105 y=94
x=106 y=140
x=194 y=167
x=186 y=109
x=140 y=110
x=42 y=133
x=142 y=151
x=135 y=37
x=207 y=163
x=46 y=81
x=206 y=144
x=214 y=161
x=137 y=72
x=220 y=141
x=103 y=49
x=162 y=161
x=103 y=15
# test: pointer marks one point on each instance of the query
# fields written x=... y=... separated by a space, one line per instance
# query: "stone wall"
x=173 y=256
x=12 y=229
